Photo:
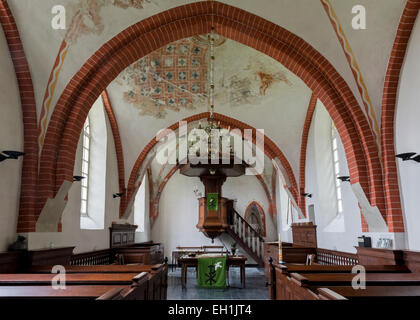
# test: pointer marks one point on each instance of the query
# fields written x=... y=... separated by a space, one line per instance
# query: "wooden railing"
x=100 y=257
x=247 y=236
x=331 y=257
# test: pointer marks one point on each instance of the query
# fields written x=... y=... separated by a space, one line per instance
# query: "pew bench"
x=47 y=292
x=157 y=275
x=282 y=288
x=345 y=279
x=344 y=293
x=71 y=279
x=294 y=268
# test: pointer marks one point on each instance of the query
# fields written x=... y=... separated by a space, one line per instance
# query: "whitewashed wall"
x=178 y=211
x=407 y=132
x=333 y=233
x=72 y=235
x=11 y=138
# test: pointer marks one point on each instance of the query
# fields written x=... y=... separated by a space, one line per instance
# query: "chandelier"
x=216 y=135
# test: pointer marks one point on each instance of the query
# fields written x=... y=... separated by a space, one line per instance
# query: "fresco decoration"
x=174 y=77
x=86 y=20
x=351 y=58
x=245 y=76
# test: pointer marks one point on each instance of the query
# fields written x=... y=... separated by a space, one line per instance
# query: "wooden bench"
x=344 y=293
x=291 y=268
x=280 y=275
x=71 y=279
x=47 y=292
x=157 y=275
x=345 y=279
x=307 y=286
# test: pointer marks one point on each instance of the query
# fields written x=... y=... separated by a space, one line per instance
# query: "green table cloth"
x=211 y=272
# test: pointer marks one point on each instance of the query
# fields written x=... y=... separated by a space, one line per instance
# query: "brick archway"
x=262 y=215
x=389 y=102
x=58 y=153
x=271 y=150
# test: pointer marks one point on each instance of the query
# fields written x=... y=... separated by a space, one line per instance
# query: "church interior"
x=229 y=149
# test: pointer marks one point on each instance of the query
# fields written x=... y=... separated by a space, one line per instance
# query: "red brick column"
x=26 y=220
x=303 y=147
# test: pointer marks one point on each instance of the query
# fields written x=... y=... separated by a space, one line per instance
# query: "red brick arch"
x=389 y=101
x=271 y=150
x=58 y=154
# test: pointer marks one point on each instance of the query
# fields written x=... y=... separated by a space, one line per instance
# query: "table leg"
x=243 y=275
x=183 y=275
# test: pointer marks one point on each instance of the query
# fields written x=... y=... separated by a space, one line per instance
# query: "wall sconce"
x=408 y=156
x=344 y=178
x=78 y=178
x=10 y=155
x=308 y=195
x=117 y=195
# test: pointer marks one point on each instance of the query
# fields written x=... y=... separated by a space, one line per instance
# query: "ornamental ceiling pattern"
x=175 y=77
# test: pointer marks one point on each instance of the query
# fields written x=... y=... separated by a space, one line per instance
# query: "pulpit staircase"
x=246 y=236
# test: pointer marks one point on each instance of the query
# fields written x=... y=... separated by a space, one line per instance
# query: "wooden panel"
x=122 y=235
x=54 y=256
x=372 y=256
x=374 y=291
x=9 y=261
x=71 y=279
x=412 y=260
x=343 y=279
x=79 y=292
x=99 y=269
x=304 y=235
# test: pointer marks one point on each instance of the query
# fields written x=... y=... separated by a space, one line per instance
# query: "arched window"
x=140 y=207
x=336 y=166
x=94 y=155
x=85 y=169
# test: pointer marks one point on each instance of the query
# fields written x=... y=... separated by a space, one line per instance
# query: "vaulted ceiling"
x=170 y=83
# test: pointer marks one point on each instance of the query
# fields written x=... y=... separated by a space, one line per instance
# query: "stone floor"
x=255 y=286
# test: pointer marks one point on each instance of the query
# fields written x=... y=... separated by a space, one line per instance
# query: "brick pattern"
x=57 y=157
x=117 y=140
x=269 y=147
x=389 y=100
x=26 y=220
x=303 y=146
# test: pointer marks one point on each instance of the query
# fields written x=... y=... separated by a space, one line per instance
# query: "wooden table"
x=187 y=261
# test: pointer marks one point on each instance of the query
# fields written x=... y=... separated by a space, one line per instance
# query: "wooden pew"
x=118 y=286
x=280 y=274
x=345 y=279
x=291 y=268
x=47 y=292
x=70 y=279
x=306 y=286
x=99 y=268
x=157 y=275
x=344 y=293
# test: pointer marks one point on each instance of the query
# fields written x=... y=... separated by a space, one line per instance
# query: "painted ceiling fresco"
x=87 y=16
x=175 y=77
